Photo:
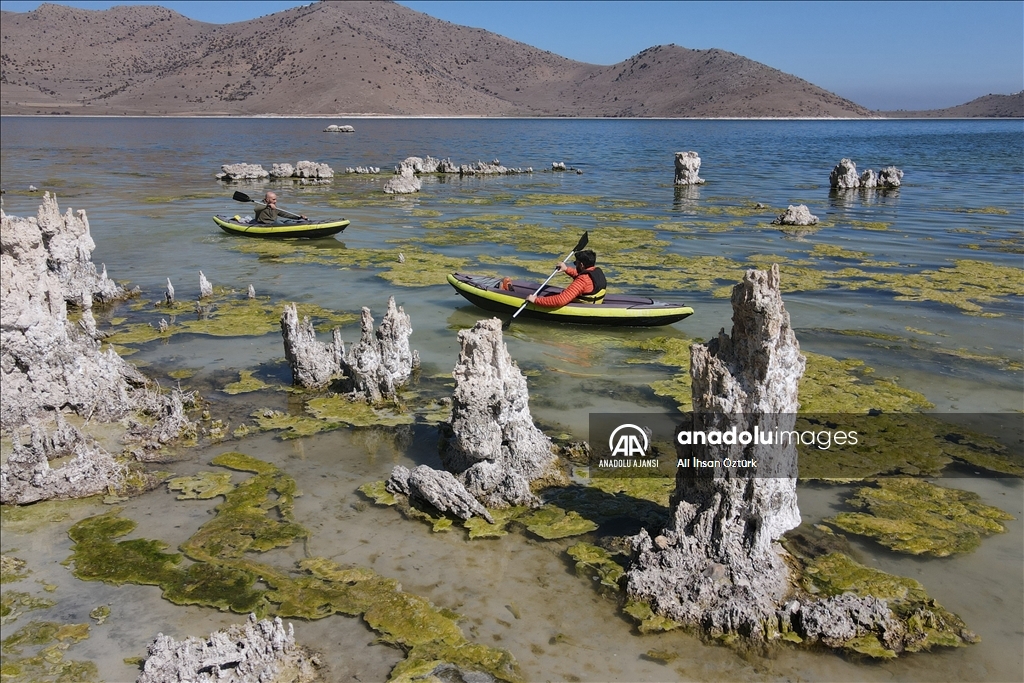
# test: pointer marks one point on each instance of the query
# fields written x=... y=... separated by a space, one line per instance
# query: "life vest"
x=596 y=295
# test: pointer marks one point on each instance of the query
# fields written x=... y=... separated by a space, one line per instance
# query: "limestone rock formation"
x=796 y=215
x=890 y=177
x=687 y=169
x=404 y=182
x=484 y=168
x=844 y=175
x=253 y=652
x=313 y=363
x=380 y=361
x=558 y=166
x=232 y=172
x=27 y=477
x=868 y=179
x=334 y=128
x=312 y=169
x=491 y=443
x=438 y=488
x=718 y=565
x=205 y=288
x=363 y=169
x=282 y=171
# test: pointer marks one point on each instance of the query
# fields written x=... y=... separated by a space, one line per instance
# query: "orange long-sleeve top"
x=581 y=284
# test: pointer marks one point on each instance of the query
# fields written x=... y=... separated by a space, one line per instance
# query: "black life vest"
x=596 y=295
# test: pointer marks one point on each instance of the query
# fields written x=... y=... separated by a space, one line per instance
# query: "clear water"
x=149 y=190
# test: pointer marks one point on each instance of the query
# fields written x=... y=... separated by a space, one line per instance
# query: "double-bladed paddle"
x=579 y=247
x=243 y=197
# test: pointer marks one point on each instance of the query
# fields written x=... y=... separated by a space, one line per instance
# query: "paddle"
x=579 y=247
x=243 y=197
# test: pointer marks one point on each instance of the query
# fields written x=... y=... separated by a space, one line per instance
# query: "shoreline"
x=413 y=117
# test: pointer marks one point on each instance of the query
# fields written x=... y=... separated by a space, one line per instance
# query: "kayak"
x=287 y=228
x=621 y=310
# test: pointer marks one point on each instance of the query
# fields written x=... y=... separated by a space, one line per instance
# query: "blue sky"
x=883 y=55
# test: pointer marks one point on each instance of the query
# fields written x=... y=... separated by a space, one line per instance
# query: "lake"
x=923 y=284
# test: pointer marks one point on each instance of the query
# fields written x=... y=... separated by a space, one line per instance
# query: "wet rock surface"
x=687 y=169
x=404 y=182
x=491 y=443
x=890 y=177
x=844 y=175
x=256 y=651
x=718 y=565
x=313 y=363
x=438 y=488
x=231 y=172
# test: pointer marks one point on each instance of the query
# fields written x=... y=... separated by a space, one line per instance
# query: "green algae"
x=877 y=226
x=551 y=522
x=928 y=624
x=657 y=490
x=224 y=317
x=12 y=569
x=376 y=492
x=291 y=426
x=15 y=603
x=830 y=385
x=479 y=527
x=340 y=409
x=50 y=640
x=202 y=486
x=836 y=252
x=918 y=517
x=246 y=383
x=899 y=343
x=182 y=374
x=257 y=516
x=647 y=620
x=661 y=656
x=599 y=506
x=563 y=200
x=425 y=213
x=100 y=614
x=597 y=563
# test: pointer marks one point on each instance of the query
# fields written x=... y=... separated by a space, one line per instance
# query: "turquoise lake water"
x=149 y=190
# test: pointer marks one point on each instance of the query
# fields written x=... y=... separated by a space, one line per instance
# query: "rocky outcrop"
x=404 y=182
x=375 y=366
x=312 y=169
x=303 y=170
x=491 y=443
x=27 y=477
x=334 y=128
x=687 y=169
x=484 y=168
x=234 y=172
x=313 y=363
x=363 y=169
x=844 y=176
x=796 y=215
x=868 y=180
x=437 y=488
x=382 y=361
x=558 y=166
x=256 y=651
x=890 y=177
x=718 y=565
x=50 y=366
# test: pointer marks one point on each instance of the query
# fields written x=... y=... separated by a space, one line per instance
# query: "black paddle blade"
x=242 y=197
x=581 y=245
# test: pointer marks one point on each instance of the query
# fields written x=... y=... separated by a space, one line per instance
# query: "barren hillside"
x=989 y=106
x=362 y=57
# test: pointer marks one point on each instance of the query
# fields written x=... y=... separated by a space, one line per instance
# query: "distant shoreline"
x=510 y=118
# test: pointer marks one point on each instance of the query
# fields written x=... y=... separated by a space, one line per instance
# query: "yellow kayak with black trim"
x=309 y=229
x=621 y=310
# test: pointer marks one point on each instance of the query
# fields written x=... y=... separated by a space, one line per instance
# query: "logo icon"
x=628 y=441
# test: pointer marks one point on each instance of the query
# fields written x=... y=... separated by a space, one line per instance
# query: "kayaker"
x=267 y=213
x=588 y=283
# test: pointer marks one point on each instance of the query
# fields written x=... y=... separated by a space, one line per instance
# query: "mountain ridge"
x=371 y=58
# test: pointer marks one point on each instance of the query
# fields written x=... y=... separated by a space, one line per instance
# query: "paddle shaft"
x=242 y=197
x=545 y=283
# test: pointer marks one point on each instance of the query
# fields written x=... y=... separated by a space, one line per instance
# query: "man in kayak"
x=267 y=212
x=588 y=283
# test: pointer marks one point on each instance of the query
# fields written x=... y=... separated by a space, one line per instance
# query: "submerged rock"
x=718 y=565
x=484 y=168
x=261 y=651
x=796 y=215
x=439 y=489
x=868 y=179
x=491 y=443
x=334 y=128
x=363 y=169
x=282 y=171
x=844 y=175
x=687 y=168
x=312 y=169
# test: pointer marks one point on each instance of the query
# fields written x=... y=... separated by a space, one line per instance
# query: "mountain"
x=331 y=58
x=988 y=106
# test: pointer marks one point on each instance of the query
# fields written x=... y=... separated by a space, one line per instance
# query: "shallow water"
x=149 y=190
